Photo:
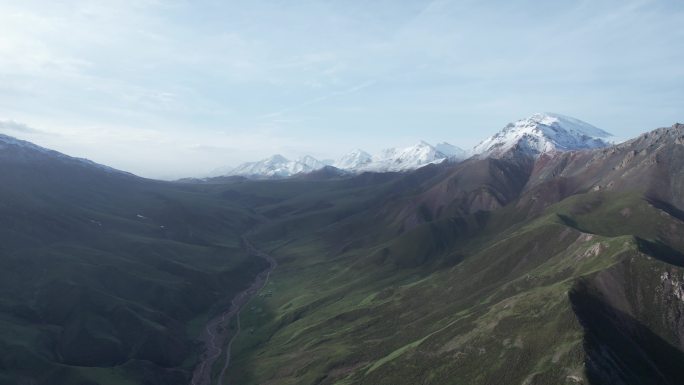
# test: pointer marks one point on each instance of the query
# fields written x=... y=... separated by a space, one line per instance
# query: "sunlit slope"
x=521 y=290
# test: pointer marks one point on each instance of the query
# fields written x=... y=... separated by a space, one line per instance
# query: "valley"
x=561 y=267
x=341 y=192
x=216 y=337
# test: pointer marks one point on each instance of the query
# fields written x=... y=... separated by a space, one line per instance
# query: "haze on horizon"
x=176 y=88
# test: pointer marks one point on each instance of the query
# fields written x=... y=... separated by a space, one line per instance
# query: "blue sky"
x=175 y=88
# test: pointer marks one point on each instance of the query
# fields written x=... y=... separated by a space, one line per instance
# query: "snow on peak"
x=276 y=166
x=353 y=160
x=541 y=133
x=402 y=159
x=391 y=159
x=305 y=163
x=537 y=134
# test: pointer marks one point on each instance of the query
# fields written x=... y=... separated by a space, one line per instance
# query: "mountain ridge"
x=13 y=150
x=535 y=135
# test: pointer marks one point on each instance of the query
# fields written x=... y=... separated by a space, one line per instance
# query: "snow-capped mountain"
x=391 y=159
x=402 y=159
x=541 y=133
x=453 y=152
x=537 y=134
x=353 y=160
x=276 y=166
x=306 y=163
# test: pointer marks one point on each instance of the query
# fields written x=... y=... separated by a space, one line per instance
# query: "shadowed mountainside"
x=105 y=277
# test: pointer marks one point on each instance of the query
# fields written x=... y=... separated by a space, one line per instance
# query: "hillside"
x=562 y=269
x=107 y=278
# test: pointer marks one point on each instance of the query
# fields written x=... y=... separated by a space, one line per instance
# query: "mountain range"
x=547 y=256
x=535 y=135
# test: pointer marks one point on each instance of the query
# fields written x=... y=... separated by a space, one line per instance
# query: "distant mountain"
x=391 y=159
x=354 y=160
x=538 y=134
x=306 y=164
x=403 y=159
x=276 y=166
x=542 y=133
x=400 y=159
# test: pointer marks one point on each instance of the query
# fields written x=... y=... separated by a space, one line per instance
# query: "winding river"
x=216 y=335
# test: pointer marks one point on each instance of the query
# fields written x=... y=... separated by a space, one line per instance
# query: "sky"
x=176 y=88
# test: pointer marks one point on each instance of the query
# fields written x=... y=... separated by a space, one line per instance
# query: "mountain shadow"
x=666 y=207
x=620 y=350
x=660 y=251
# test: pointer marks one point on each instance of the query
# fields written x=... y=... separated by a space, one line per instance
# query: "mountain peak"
x=353 y=160
x=541 y=133
x=275 y=166
x=407 y=158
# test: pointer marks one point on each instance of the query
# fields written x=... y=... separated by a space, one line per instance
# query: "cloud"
x=11 y=125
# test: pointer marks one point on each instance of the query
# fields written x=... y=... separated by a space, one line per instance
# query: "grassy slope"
x=409 y=315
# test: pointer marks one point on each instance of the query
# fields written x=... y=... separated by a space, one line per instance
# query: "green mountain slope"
x=477 y=279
